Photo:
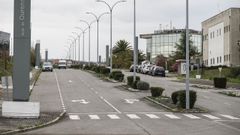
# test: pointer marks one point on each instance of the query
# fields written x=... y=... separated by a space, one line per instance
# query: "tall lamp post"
x=83 y=33
x=97 y=19
x=71 y=47
x=79 y=36
x=187 y=56
x=89 y=42
x=74 y=47
x=134 y=40
x=111 y=10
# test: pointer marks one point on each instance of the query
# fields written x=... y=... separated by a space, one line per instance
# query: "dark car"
x=158 y=71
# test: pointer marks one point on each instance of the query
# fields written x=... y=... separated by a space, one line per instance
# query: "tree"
x=33 y=57
x=180 y=52
x=122 y=54
x=160 y=60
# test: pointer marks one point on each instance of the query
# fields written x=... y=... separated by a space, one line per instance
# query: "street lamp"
x=74 y=47
x=79 y=36
x=134 y=40
x=89 y=42
x=187 y=56
x=83 y=32
x=71 y=51
x=111 y=10
x=97 y=19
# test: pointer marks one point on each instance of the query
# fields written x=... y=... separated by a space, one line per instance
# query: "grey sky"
x=54 y=20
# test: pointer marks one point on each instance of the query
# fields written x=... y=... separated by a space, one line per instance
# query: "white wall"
x=216 y=44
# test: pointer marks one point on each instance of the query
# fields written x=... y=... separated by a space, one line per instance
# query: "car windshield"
x=47 y=64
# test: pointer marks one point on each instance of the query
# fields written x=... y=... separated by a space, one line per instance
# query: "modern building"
x=4 y=44
x=221 y=39
x=164 y=41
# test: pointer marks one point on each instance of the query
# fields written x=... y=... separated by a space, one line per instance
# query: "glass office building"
x=164 y=41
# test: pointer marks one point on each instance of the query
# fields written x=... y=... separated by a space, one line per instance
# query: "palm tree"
x=121 y=46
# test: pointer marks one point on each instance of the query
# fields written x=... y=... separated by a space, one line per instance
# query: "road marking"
x=114 y=117
x=133 y=116
x=111 y=106
x=94 y=117
x=70 y=81
x=74 y=117
x=96 y=92
x=171 y=116
x=191 y=116
x=60 y=93
x=211 y=117
x=131 y=101
x=82 y=101
x=229 y=117
x=152 y=116
x=227 y=104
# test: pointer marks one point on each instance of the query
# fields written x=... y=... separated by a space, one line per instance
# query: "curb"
x=149 y=99
x=36 y=127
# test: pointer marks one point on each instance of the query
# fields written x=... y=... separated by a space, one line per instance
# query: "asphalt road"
x=95 y=107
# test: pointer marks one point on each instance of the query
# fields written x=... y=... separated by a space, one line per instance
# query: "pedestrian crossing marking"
x=74 y=117
x=133 y=116
x=94 y=117
x=211 y=117
x=171 y=116
x=229 y=117
x=115 y=117
x=191 y=116
x=152 y=116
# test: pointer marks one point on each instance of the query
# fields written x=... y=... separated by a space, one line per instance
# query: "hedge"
x=156 y=91
x=141 y=85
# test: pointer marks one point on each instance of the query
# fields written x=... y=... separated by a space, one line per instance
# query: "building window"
x=229 y=58
x=217 y=60
x=220 y=59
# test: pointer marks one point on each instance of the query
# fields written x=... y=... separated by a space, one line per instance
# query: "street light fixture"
x=79 y=36
x=83 y=32
x=71 y=44
x=74 y=46
x=111 y=10
x=89 y=42
x=97 y=19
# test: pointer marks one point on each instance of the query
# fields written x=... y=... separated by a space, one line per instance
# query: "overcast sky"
x=54 y=20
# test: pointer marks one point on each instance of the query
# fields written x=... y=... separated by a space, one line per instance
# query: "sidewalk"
x=45 y=91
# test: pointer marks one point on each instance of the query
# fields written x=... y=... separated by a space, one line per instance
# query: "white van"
x=62 y=64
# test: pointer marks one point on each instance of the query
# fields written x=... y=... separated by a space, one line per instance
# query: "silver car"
x=47 y=66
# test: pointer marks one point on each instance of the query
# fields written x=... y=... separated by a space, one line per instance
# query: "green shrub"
x=220 y=82
x=156 y=91
x=141 y=85
x=134 y=84
x=130 y=80
x=104 y=70
x=235 y=72
x=86 y=67
x=113 y=73
x=174 y=97
x=182 y=99
x=118 y=77
x=179 y=98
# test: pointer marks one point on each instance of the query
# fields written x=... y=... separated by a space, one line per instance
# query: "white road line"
x=114 y=117
x=133 y=116
x=60 y=93
x=191 y=116
x=74 y=117
x=94 y=117
x=211 y=117
x=152 y=116
x=229 y=117
x=171 y=116
x=111 y=106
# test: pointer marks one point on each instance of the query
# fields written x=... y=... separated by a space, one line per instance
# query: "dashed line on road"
x=111 y=106
x=60 y=93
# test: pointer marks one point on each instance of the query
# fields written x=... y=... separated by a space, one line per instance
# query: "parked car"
x=158 y=71
x=62 y=64
x=132 y=68
x=146 y=69
x=47 y=66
